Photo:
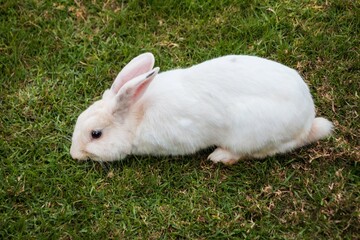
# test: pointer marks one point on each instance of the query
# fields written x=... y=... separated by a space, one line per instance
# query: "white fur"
x=245 y=105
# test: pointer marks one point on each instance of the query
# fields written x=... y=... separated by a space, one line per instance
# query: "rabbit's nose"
x=77 y=154
x=79 y=157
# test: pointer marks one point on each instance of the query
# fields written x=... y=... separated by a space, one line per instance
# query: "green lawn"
x=58 y=57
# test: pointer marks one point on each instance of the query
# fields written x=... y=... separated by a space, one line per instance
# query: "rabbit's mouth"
x=79 y=155
x=94 y=157
x=102 y=158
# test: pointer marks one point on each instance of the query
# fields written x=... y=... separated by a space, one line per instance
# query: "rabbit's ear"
x=137 y=66
x=134 y=89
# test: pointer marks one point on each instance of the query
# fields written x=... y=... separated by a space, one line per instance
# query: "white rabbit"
x=246 y=106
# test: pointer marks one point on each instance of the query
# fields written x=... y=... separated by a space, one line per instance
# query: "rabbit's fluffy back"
x=246 y=104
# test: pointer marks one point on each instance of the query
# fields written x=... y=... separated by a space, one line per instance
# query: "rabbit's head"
x=104 y=131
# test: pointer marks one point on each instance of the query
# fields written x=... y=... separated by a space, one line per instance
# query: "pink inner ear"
x=141 y=89
x=130 y=74
x=134 y=68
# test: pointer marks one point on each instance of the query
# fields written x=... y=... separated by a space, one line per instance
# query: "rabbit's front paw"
x=224 y=156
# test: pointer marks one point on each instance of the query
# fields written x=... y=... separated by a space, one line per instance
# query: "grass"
x=58 y=57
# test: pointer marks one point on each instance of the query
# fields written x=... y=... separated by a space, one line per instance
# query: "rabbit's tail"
x=320 y=128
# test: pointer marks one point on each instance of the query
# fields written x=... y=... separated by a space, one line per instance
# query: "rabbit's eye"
x=96 y=134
